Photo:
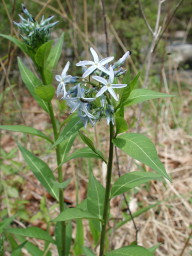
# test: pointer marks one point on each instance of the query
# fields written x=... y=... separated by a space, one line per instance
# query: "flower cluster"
x=92 y=95
x=34 y=34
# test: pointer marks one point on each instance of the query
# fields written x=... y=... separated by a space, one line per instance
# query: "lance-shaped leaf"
x=81 y=153
x=79 y=238
x=88 y=252
x=25 y=48
x=95 y=199
x=121 y=124
x=41 y=171
x=58 y=237
x=66 y=146
x=71 y=128
x=17 y=251
x=132 y=250
x=132 y=180
x=31 y=81
x=25 y=129
x=4 y=223
x=33 y=232
x=125 y=92
x=55 y=53
x=90 y=144
x=31 y=248
x=141 y=95
x=73 y=214
x=42 y=53
x=142 y=149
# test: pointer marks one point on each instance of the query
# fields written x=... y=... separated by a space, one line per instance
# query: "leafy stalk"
x=107 y=192
x=60 y=177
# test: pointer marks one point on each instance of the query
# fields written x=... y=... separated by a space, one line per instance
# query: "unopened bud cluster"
x=33 y=33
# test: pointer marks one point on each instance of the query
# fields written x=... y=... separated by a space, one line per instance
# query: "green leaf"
x=88 y=252
x=125 y=92
x=58 y=237
x=142 y=149
x=26 y=49
x=132 y=250
x=121 y=124
x=90 y=144
x=41 y=171
x=141 y=95
x=17 y=251
x=81 y=153
x=79 y=239
x=45 y=92
x=33 y=232
x=31 y=248
x=25 y=129
x=66 y=147
x=62 y=185
x=42 y=53
x=132 y=180
x=71 y=128
x=74 y=213
x=4 y=223
x=31 y=81
x=55 y=53
x=95 y=199
x=154 y=248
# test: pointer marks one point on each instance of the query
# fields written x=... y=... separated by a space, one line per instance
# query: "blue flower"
x=121 y=60
x=94 y=65
x=63 y=79
x=80 y=103
x=108 y=84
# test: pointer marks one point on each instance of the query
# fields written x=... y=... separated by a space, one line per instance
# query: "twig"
x=186 y=244
x=144 y=17
x=169 y=19
x=105 y=26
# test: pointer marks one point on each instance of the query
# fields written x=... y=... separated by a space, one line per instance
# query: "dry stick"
x=43 y=9
x=186 y=244
x=73 y=16
x=105 y=27
x=65 y=16
x=187 y=30
x=169 y=19
x=85 y=25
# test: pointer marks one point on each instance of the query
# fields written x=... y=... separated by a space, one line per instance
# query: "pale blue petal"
x=59 y=89
x=84 y=63
x=111 y=76
x=88 y=99
x=103 y=69
x=111 y=91
x=100 y=79
x=58 y=78
x=67 y=79
x=118 y=85
x=89 y=71
x=103 y=89
x=63 y=74
x=95 y=56
x=76 y=106
x=106 y=60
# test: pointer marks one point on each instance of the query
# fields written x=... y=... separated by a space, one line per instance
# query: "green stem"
x=107 y=192
x=60 y=177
